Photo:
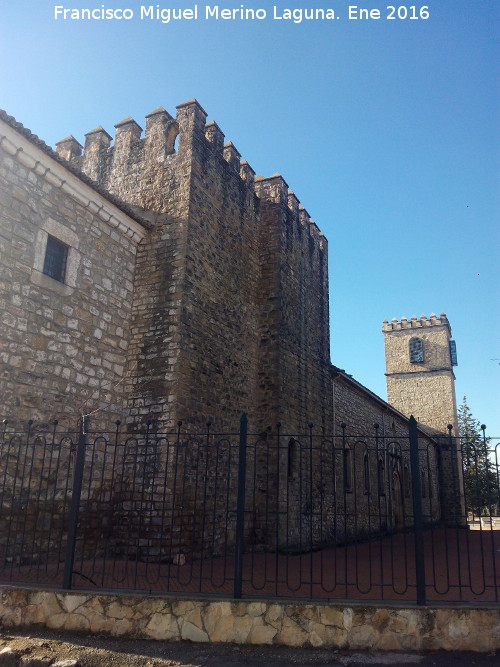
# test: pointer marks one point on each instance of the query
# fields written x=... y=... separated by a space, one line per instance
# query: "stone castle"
x=189 y=289
x=156 y=279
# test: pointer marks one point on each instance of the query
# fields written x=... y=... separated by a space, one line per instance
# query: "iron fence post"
x=240 y=507
x=75 y=503
x=417 y=511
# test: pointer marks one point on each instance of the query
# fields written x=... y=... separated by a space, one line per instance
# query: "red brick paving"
x=460 y=565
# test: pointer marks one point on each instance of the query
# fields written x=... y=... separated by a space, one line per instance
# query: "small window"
x=347 y=468
x=56 y=256
x=416 y=351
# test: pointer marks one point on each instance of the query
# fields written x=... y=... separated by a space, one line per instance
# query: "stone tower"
x=230 y=306
x=420 y=356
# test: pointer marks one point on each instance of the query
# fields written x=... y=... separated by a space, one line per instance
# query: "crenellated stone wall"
x=230 y=309
x=294 y=380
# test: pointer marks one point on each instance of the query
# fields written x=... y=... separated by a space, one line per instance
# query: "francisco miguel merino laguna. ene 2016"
x=194 y=13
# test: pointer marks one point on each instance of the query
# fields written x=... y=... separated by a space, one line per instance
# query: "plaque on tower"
x=453 y=353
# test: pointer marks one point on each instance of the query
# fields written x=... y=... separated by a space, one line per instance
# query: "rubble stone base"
x=251 y=622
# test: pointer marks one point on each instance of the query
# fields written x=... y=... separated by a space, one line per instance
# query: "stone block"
x=193 y=633
x=362 y=637
x=291 y=634
x=163 y=626
x=261 y=633
x=222 y=631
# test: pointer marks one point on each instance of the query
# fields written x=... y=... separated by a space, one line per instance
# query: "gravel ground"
x=40 y=648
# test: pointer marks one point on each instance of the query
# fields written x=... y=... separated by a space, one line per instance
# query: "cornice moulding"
x=31 y=157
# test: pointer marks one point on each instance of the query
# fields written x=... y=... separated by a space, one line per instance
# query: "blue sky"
x=387 y=131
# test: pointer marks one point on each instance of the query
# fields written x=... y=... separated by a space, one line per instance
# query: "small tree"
x=480 y=484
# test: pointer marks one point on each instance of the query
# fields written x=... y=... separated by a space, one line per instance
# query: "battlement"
x=214 y=135
x=68 y=148
x=275 y=190
x=231 y=155
x=102 y=154
x=414 y=323
x=246 y=172
x=112 y=161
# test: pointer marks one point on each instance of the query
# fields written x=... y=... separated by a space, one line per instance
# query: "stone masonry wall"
x=294 y=381
x=149 y=173
x=256 y=622
x=194 y=316
x=429 y=398
x=63 y=346
x=219 y=319
x=387 y=446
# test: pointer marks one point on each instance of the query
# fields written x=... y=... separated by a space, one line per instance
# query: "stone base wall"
x=252 y=622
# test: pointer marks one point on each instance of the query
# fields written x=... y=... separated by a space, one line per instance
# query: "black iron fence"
x=241 y=515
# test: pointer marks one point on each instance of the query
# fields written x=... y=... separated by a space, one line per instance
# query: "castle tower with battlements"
x=230 y=310
x=420 y=356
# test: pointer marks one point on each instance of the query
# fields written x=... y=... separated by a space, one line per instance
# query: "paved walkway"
x=460 y=565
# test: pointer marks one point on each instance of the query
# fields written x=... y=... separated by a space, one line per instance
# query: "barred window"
x=56 y=256
x=416 y=351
